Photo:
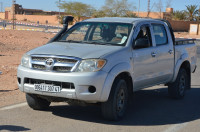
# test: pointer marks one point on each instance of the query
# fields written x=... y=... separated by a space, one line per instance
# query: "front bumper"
x=81 y=81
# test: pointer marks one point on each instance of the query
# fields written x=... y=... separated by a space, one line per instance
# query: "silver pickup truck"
x=105 y=60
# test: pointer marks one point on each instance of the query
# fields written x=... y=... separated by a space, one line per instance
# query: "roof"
x=118 y=19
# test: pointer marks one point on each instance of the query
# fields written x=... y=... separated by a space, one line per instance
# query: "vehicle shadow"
x=13 y=128
x=149 y=107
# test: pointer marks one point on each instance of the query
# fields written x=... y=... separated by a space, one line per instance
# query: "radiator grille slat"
x=55 y=64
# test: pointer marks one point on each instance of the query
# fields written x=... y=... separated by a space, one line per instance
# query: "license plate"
x=47 y=88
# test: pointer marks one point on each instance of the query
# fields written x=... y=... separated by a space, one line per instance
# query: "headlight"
x=25 y=61
x=91 y=65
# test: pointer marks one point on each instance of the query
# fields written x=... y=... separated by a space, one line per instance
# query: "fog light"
x=92 y=89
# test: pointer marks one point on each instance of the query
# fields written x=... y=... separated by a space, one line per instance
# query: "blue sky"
x=49 y=5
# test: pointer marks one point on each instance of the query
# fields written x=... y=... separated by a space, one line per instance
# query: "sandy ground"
x=13 y=44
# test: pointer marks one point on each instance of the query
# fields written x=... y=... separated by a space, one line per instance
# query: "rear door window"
x=160 y=34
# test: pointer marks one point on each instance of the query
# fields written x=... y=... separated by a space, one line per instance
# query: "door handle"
x=170 y=51
x=153 y=54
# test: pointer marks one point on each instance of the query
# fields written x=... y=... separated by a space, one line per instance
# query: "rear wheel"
x=177 y=89
x=37 y=103
x=115 y=107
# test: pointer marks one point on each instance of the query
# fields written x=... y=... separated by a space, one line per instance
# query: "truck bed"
x=182 y=41
x=185 y=47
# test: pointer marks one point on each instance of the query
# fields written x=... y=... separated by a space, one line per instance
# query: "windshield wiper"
x=95 y=42
x=70 y=41
x=90 y=42
x=87 y=42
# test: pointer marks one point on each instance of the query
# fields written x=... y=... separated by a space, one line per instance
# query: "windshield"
x=98 y=33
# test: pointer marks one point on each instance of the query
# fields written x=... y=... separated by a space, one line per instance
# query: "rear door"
x=164 y=52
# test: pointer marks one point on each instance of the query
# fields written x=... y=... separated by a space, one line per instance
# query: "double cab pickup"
x=103 y=61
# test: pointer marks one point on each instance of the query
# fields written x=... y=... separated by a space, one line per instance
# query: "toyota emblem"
x=49 y=62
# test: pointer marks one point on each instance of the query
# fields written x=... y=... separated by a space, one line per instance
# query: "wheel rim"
x=182 y=84
x=120 y=100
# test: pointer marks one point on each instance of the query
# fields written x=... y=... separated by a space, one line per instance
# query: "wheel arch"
x=185 y=65
x=121 y=70
x=127 y=77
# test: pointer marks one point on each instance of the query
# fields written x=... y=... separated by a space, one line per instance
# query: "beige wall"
x=180 y=26
x=2 y=15
x=34 y=18
x=52 y=19
x=40 y=18
x=176 y=25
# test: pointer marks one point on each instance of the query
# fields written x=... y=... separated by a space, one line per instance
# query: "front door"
x=144 y=60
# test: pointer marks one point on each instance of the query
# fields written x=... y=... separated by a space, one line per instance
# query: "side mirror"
x=141 y=43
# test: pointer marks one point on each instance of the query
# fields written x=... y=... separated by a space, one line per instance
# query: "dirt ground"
x=186 y=35
x=13 y=44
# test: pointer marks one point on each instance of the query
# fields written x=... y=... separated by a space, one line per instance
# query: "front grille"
x=57 y=64
x=61 y=68
x=63 y=85
x=39 y=58
x=40 y=67
x=65 y=60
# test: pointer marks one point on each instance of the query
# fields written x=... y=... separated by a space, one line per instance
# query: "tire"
x=177 y=89
x=37 y=103
x=115 y=107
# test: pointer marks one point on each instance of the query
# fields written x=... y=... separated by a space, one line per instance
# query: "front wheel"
x=37 y=103
x=115 y=107
x=177 y=89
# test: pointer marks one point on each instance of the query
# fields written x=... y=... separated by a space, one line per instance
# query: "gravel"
x=13 y=44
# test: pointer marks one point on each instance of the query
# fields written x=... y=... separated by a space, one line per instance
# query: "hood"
x=83 y=51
